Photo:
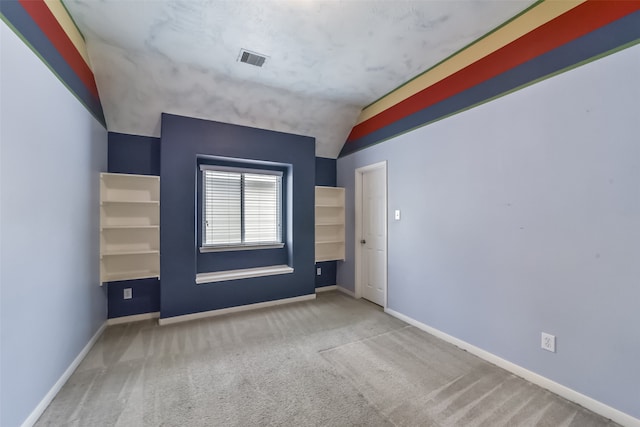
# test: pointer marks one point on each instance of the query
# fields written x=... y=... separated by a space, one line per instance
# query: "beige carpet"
x=334 y=361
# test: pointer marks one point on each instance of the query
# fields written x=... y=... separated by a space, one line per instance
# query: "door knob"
x=362 y=242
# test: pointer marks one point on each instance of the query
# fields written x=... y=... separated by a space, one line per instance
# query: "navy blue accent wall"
x=185 y=139
x=233 y=260
x=326 y=176
x=327 y=275
x=145 y=297
x=325 y=172
x=136 y=155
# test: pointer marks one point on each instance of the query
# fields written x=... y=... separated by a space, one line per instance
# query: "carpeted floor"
x=334 y=361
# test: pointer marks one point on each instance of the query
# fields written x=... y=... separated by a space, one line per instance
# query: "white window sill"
x=204 y=249
x=245 y=273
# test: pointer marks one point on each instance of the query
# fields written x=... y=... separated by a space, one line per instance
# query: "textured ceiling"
x=326 y=59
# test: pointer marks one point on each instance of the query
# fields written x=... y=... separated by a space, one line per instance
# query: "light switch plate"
x=397 y=215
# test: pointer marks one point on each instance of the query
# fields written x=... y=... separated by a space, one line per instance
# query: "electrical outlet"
x=548 y=342
x=127 y=294
x=318 y=271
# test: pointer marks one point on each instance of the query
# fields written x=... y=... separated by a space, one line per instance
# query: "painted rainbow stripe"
x=46 y=27
x=508 y=59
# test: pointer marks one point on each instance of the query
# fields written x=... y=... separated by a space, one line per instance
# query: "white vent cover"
x=252 y=58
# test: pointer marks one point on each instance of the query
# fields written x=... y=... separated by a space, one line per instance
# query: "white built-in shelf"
x=130 y=202
x=328 y=223
x=329 y=227
x=129 y=226
x=127 y=253
x=323 y=242
x=325 y=258
x=129 y=275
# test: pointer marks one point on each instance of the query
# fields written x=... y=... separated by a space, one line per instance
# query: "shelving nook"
x=329 y=225
x=129 y=226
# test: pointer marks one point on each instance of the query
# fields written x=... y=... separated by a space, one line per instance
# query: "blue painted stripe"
x=29 y=31
x=605 y=39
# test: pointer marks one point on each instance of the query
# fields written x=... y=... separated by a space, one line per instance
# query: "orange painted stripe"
x=43 y=17
x=575 y=23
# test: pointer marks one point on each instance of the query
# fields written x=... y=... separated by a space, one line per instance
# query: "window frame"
x=203 y=167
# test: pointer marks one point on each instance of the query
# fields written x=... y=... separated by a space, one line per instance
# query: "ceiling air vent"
x=252 y=58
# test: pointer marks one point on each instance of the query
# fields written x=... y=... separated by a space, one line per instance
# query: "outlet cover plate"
x=127 y=294
x=548 y=342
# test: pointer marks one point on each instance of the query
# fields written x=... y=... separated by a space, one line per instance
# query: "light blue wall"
x=521 y=216
x=51 y=304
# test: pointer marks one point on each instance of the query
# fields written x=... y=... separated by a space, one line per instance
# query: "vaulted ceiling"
x=326 y=59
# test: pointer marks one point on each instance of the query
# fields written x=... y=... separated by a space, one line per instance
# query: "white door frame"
x=358 y=226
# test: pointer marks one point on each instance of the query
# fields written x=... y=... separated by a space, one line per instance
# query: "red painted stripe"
x=42 y=16
x=577 y=22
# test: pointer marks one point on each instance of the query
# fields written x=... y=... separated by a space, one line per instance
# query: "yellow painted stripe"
x=523 y=24
x=62 y=16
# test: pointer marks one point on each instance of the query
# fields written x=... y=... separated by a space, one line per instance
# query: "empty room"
x=320 y=213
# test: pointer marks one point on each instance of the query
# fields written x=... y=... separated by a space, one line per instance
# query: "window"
x=241 y=208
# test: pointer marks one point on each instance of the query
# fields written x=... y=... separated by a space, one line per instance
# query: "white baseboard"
x=326 y=288
x=569 y=394
x=46 y=400
x=346 y=291
x=212 y=313
x=133 y=318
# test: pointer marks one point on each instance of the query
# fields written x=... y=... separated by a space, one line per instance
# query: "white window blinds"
x=261 y=208
x=222 y=208
x=241 y=207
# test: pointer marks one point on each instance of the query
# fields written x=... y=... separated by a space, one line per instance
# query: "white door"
x=373 y=242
